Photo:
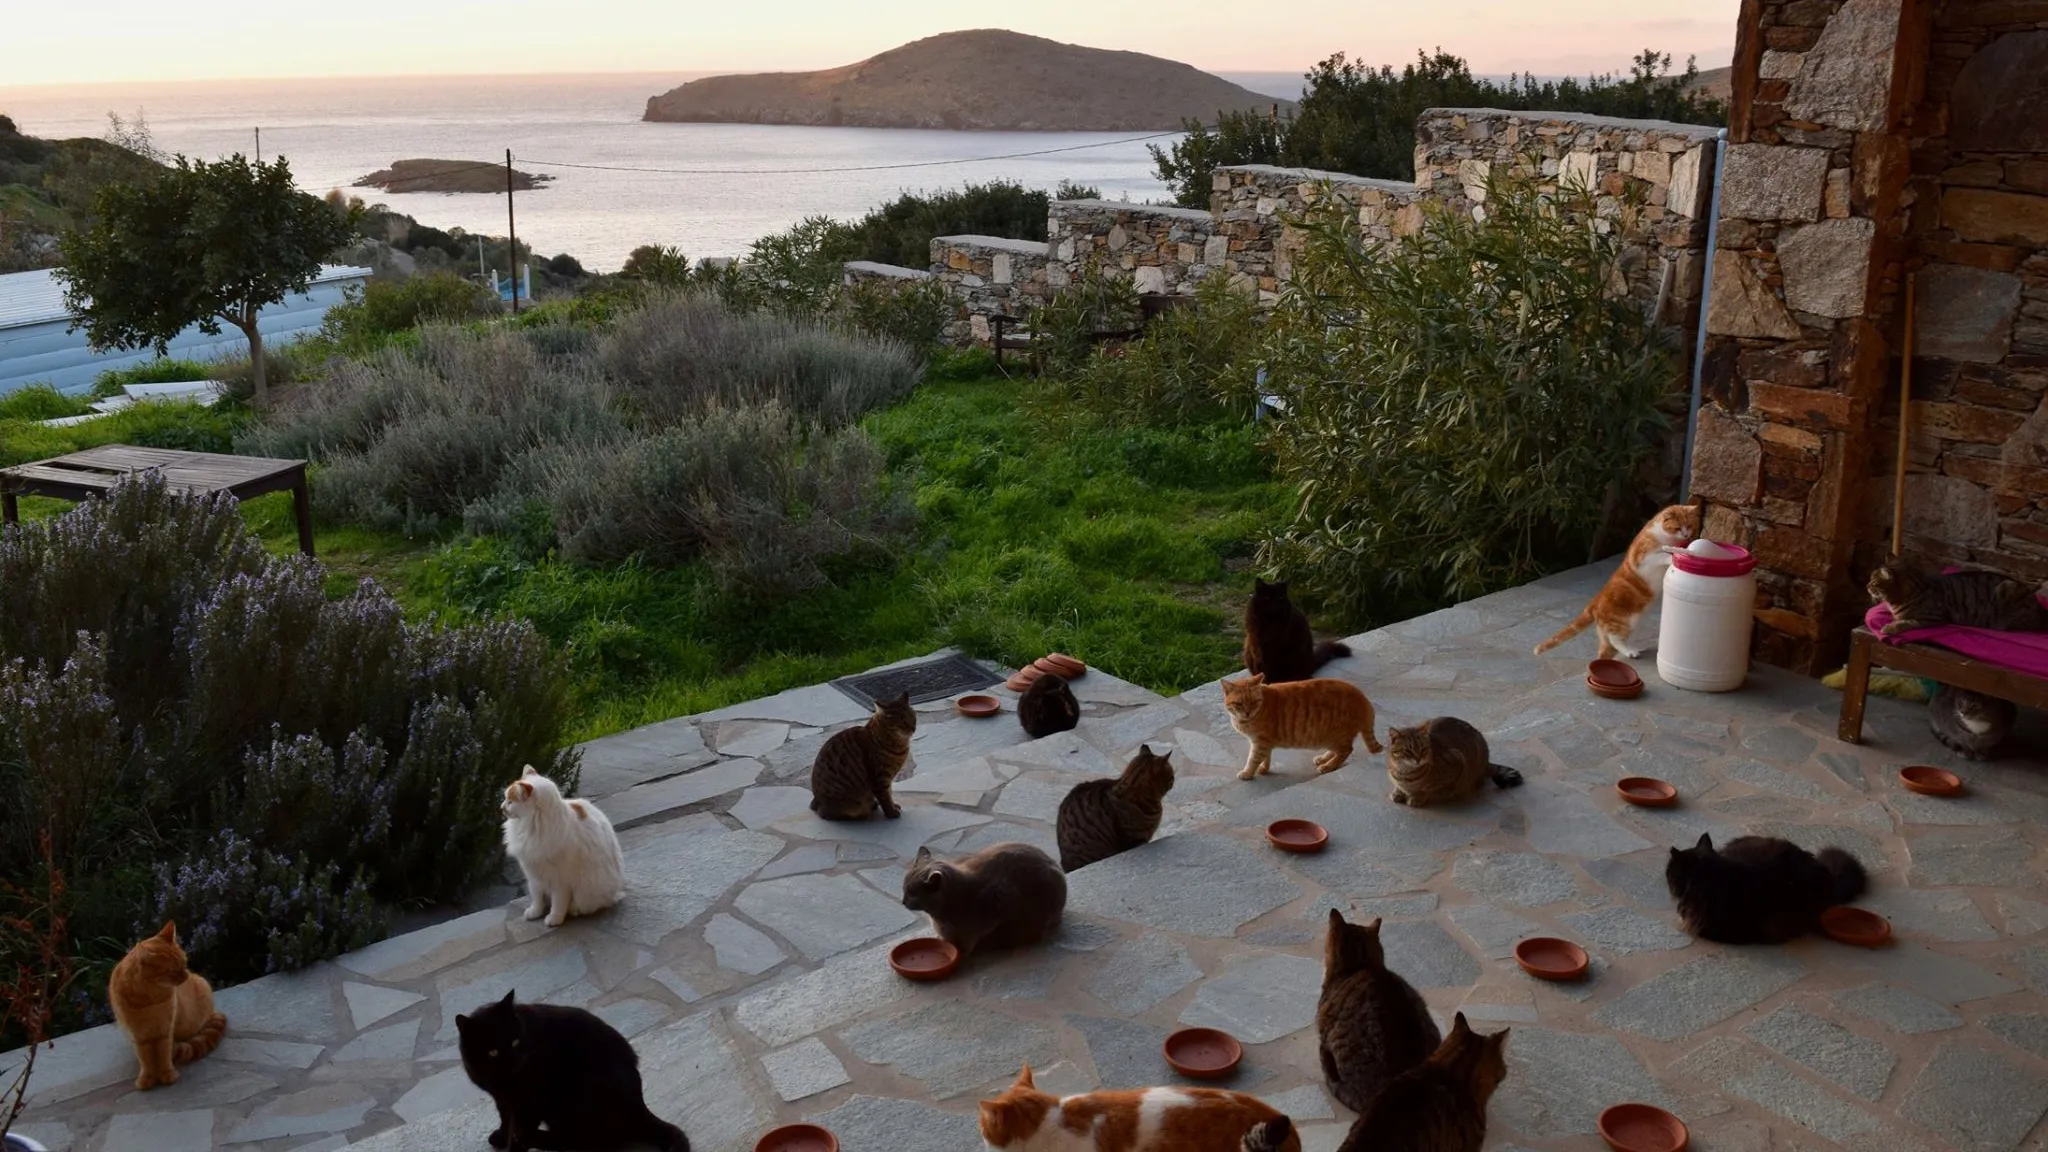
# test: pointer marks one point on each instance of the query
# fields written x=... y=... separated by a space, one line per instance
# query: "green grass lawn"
x=1037 y=532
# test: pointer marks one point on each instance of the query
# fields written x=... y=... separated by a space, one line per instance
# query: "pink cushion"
x=2021 y=651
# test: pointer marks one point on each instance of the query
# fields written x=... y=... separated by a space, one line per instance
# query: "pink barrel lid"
x=1739 y=564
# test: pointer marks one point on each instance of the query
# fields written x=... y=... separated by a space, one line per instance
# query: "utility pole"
x=511 y=234
x=259 y=145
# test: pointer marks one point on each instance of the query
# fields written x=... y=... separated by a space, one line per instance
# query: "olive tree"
x=202 y=243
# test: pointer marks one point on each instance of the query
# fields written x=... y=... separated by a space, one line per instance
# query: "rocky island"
x=449 y=176
x=988 y=80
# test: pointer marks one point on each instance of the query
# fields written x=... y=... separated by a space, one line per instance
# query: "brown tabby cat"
x=1004 y=896
x=1920 y=597
x=1634 y=586
x=1440 y=1104
x=1371 y=1025
x=165 y=1008
x=1322 y=714
x=853 y=771
x=1441 y=761
x=1101 y=818
x=1048 y=706
x=1277 y=640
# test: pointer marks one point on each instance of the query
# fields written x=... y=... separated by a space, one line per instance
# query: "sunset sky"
x=90 y=41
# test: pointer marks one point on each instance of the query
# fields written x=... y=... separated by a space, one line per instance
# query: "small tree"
x=201 y=244
x=38 y=940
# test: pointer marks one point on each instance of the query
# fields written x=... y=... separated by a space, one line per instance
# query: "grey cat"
x=854 y=770
x=1970 y=722
x=1920 y=597
x=1101 y=818
x=1004 y=896
x=1442 y=761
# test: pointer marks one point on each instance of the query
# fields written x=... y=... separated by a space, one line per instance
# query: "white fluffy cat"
x=566 y=848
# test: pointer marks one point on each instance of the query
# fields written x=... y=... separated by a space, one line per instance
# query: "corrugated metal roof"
x=38 y=297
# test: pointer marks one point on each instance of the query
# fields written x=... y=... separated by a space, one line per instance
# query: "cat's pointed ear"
x=461 y=1024
x=903 y=701
x=1257 y=678
x=1706 y=842
x=1459 y=1027
x=507 y=1001
x=1373 y=929
x=1145 y=750
x=529 y=772
x=1259 y=585
x=923 y=857
x=1336 y=920
x=1279 y=586
x=1024 y=1079
x=169 y=931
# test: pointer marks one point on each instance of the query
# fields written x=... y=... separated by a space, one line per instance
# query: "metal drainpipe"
x=1699 y=351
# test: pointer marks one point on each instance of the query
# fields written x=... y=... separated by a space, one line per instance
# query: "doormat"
x=933 y=679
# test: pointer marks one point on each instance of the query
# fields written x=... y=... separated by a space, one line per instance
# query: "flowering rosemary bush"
x=205 y=736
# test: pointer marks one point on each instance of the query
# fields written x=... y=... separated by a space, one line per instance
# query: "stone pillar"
x=1802 y=312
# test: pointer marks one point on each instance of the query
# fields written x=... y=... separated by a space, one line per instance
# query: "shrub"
x=1464 y=404
x=1189 y=368
x=162 y=370
x=385 y=308
x=913 y=314
x=1094 y=302
x=40 y=402
x=206 y=735
x=659 y=264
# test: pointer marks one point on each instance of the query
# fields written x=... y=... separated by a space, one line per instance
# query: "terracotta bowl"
x=1066 y=665
x=1643 y=1128
x=1548 y=958
x=1203 y=1053
x=1052 y=667
x=978 y=705
x=1610 y=692
x=924 y=958
x=1613 y=674
x=798 y=1138
x=1297 y=835
x=1931 y=781
x=1646 y=791
x=1855 y=926
x=1023 y=679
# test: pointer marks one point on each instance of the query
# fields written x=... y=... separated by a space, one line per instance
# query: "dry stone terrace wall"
x=1164 y=250
x=989 y=276
x=1254 y=204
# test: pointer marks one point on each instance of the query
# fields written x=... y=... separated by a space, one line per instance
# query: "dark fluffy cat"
x=1971 y=723
x=1758 y=889
x=564 y=1068
x=1101 y=818
x=1048 y=706
x=1277 y=640
x=1371 y=1025
x=1440 y=1104
x=853 y=771
x=1920 y=597
x=1442 y=761
x=1004 y=896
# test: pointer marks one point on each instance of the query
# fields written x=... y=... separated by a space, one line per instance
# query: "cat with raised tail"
x=1278 y=643
x=1759 y=889
x=1635 y=585
x=165 y=1008
x=546 y=1064
x=566 y=848
x=1175 y=1119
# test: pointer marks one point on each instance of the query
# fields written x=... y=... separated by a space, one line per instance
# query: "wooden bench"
x=1867 y=650
x=1001 y=336
x=95 y=471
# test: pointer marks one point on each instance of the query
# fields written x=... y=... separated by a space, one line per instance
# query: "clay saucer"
x=924 y=958
x=1548 y=958
x=1642 y=1128
x=1931 y=781
x=1855 y=926
x=798 y=1138
x=1066 y=665
x=1646 y=791
x=1203 y=1053
x=1297 y=835
x=1052 y=667
x=1613 y=679
x=1023 y=678
x=978 y=705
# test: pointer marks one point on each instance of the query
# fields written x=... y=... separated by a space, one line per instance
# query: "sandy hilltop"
x=985 y=80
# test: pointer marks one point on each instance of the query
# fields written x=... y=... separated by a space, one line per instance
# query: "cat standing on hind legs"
x=1634 y=586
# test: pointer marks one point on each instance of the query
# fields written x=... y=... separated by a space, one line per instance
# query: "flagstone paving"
x=747 y=961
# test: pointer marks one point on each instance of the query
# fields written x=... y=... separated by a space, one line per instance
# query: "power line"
x=853 y=167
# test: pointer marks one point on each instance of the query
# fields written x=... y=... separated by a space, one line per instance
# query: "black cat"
x=563 y=1068
x=1758 y=889
x=1277 y=640
x=1048 y=706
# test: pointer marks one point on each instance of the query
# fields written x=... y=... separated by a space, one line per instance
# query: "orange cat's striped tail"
x=208 y=1039
x=1570 y=630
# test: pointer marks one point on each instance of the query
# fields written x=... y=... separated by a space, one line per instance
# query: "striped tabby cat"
x=1439 y=1105
x=1441 y=761
x=854 y=770
x=1371 y=1025
x=1324 y=714
x=1101 y=818
x=1920 y=597
x=1971 y=723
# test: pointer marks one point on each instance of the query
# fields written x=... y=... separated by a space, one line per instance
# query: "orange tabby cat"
x=1175 y=1119
x=165 y=1008
x=1322 y=714
x=1630 y=591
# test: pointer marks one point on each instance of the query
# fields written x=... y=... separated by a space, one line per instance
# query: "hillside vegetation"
x=46 y=186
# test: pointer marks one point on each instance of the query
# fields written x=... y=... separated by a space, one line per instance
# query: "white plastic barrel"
x=1709 y=598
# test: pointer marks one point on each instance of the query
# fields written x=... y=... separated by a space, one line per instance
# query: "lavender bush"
x=206 y=736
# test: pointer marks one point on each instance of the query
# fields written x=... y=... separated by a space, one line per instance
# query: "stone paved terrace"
x=747 y=960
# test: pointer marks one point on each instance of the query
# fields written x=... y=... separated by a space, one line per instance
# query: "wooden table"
x=1934 y=663
x=95 y=471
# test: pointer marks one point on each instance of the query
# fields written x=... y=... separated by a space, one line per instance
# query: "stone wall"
x=869 y=271
x=1165 y=250
x=1255 y=205
x=989 y=276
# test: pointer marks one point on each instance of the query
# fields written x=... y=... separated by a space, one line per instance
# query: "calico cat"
x=165 y=1008
x=562 y=1067
x=566 y=848
x=1004 y=896
x=1920 y=597
x=1371 y=1025
x=1441 y=761
x=1048 y=706
x=1101 y=818
x=1440 y=1104
x=1971 y=723
x=1635 y=585
x=1757 y=889
x=1023 y=1119
x=853 y=771
x=1322 y=714
x=1277 y=640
